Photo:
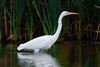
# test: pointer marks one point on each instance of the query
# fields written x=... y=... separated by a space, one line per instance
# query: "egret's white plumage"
x=45 y=42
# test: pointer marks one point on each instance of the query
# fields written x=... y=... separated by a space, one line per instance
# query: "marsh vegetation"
x=22 y=20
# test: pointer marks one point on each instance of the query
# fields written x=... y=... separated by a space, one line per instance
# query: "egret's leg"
x=36 y=51
x=43 y=50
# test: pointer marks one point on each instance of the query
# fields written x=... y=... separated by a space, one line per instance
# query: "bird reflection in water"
x=36 y=60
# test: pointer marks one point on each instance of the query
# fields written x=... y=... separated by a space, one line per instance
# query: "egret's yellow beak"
x=73 y=13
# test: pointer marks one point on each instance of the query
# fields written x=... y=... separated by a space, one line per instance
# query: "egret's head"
x=64 y=13
x=20 y=47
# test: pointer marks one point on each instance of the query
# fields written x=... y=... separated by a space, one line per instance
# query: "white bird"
x=45 y=42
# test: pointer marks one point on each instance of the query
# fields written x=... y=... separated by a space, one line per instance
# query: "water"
x=66 y=54
x=36 y=60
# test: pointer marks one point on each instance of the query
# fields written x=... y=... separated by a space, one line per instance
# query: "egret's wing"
x=38 y=42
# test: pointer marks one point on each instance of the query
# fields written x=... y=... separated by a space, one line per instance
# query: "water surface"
x=67 y=54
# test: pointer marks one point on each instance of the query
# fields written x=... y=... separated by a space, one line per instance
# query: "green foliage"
x=2 y=51
x=30 y=19
x=49 y=16
x=0 y=35
x=13 y=12
x=16 y=18
x=88 y=14
x=2 y=6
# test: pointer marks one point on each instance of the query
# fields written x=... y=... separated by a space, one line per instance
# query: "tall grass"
x=30 y=19
x=88 y=14
x=12 y=13
x=5 y=19
x=0 y=36
x=2 y=20
x=20 y=5
x=49 y=15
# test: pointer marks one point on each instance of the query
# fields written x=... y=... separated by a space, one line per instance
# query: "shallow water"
x=66 y=54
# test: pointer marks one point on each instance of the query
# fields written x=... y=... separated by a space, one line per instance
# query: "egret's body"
x=44 y=42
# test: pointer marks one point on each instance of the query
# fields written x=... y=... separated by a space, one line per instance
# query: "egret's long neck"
x=56 y=35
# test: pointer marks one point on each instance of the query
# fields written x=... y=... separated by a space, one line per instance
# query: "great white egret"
x=45 y=42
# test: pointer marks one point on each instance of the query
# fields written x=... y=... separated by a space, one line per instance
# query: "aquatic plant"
x=49 y=15
x=16 y=20
x=0 y=36
x=29 y=21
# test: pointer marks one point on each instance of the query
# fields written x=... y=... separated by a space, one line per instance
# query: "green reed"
x=20 y=5
x=12 y=12
x=29 y=21
x=97 y=5
x=49 y=15
x=0 y=36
